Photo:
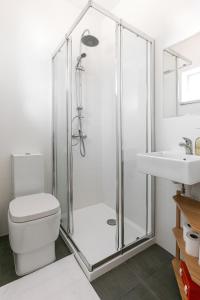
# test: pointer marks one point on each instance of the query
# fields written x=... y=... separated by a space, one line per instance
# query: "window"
x=190 y=85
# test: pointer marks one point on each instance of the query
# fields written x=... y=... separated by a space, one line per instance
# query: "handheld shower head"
x=79 y=58
x=83 y=55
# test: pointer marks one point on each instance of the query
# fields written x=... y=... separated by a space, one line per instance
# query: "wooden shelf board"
x=191 y=262
x=175 y=264
x=191 y=209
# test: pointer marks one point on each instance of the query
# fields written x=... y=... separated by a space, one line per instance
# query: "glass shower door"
x=60 y=132
x=135 y=98
x=93 y=122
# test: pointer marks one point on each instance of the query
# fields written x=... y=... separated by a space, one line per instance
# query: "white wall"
x=168 y=23
x=30 y=31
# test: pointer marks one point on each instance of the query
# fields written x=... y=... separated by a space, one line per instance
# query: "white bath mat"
x=62 y=280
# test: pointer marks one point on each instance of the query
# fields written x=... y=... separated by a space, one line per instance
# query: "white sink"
x=172 y=165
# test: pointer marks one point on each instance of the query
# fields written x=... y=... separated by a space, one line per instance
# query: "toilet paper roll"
x=186 y=228
x=192 y=243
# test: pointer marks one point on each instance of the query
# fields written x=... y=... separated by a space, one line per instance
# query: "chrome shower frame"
x=150 y=138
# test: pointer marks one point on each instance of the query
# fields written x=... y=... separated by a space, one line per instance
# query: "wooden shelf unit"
x=191 y=210
x=191 y=262
x=175 y=264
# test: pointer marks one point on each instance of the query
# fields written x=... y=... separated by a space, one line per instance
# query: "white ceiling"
x=108 y=4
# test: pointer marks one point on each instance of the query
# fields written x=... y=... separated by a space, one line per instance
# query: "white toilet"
x=33 y=216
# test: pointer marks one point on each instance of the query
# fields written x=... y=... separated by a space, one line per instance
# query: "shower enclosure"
x=102 y=117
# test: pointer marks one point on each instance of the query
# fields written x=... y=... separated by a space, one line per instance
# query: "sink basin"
x=171 y=165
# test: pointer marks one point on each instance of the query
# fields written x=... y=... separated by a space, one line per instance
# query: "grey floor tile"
x=4 y=242
x=149 y=273
x=149 y=261
x=140 y=292
x=7 y=270
x=61 y=249
x=163 y=283
x=114 y=284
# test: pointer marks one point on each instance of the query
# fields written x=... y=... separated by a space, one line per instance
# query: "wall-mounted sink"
x=171 y=165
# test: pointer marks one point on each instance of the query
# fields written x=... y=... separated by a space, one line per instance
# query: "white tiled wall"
x=30 y=31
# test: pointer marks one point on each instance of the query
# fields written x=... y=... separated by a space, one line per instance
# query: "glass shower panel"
x=134 y=133
x=94 y=137
x=60 y=131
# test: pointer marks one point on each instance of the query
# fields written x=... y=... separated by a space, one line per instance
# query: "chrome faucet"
x=187 y=145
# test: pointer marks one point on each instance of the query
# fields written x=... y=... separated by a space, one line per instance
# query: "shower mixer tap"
x=75 y=136
x=80 y=131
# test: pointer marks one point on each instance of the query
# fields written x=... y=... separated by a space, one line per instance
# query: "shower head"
x=88 y=39
x=79 y=58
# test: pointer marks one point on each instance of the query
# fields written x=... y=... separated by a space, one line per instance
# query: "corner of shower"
x=102 y=117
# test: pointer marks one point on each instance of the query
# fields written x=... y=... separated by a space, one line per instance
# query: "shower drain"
x=111 y=222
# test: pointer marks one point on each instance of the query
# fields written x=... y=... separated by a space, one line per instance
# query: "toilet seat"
x=33 y=207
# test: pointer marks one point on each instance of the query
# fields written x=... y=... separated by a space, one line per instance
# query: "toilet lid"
x=33 y=207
